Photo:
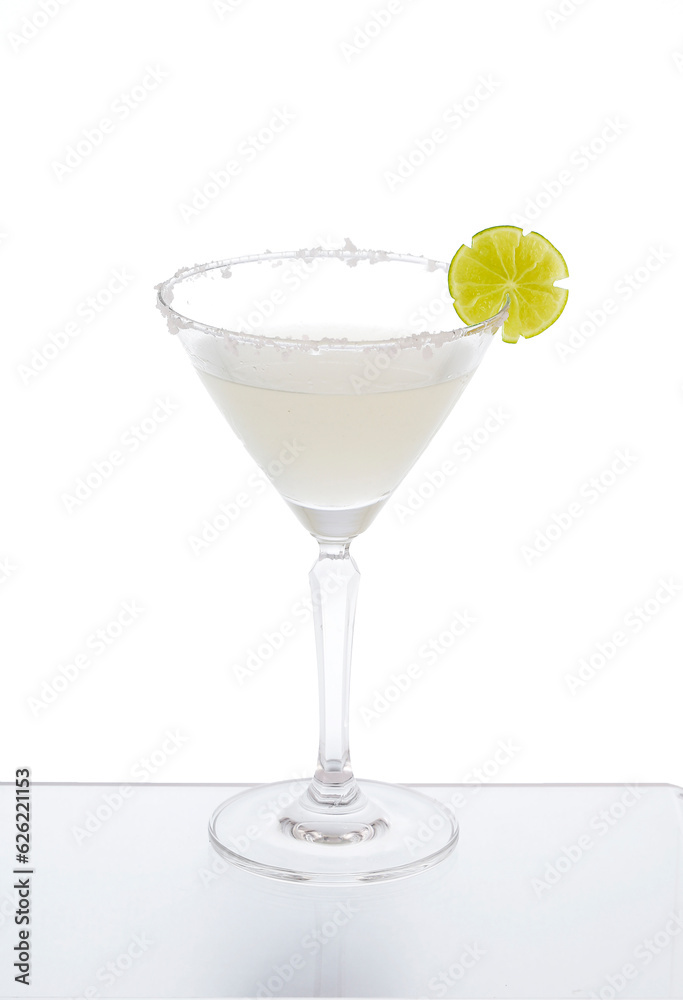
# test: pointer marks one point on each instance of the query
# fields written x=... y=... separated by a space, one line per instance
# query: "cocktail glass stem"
x=334 y=588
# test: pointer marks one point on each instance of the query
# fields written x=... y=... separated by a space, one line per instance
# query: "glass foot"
x=389 y=832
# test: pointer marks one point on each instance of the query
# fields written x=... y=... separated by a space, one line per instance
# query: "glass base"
x=389 y=832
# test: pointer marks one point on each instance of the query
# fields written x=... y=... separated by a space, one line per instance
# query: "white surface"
x=539 y=91
x=551 y=892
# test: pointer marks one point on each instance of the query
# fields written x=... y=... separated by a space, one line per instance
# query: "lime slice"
x=501 y=262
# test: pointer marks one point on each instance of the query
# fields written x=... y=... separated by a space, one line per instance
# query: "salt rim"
x=350 y=255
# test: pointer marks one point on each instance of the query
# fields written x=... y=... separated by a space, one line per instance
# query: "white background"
x=360 y=98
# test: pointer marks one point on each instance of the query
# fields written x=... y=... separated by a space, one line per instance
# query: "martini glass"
x=335 y=368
